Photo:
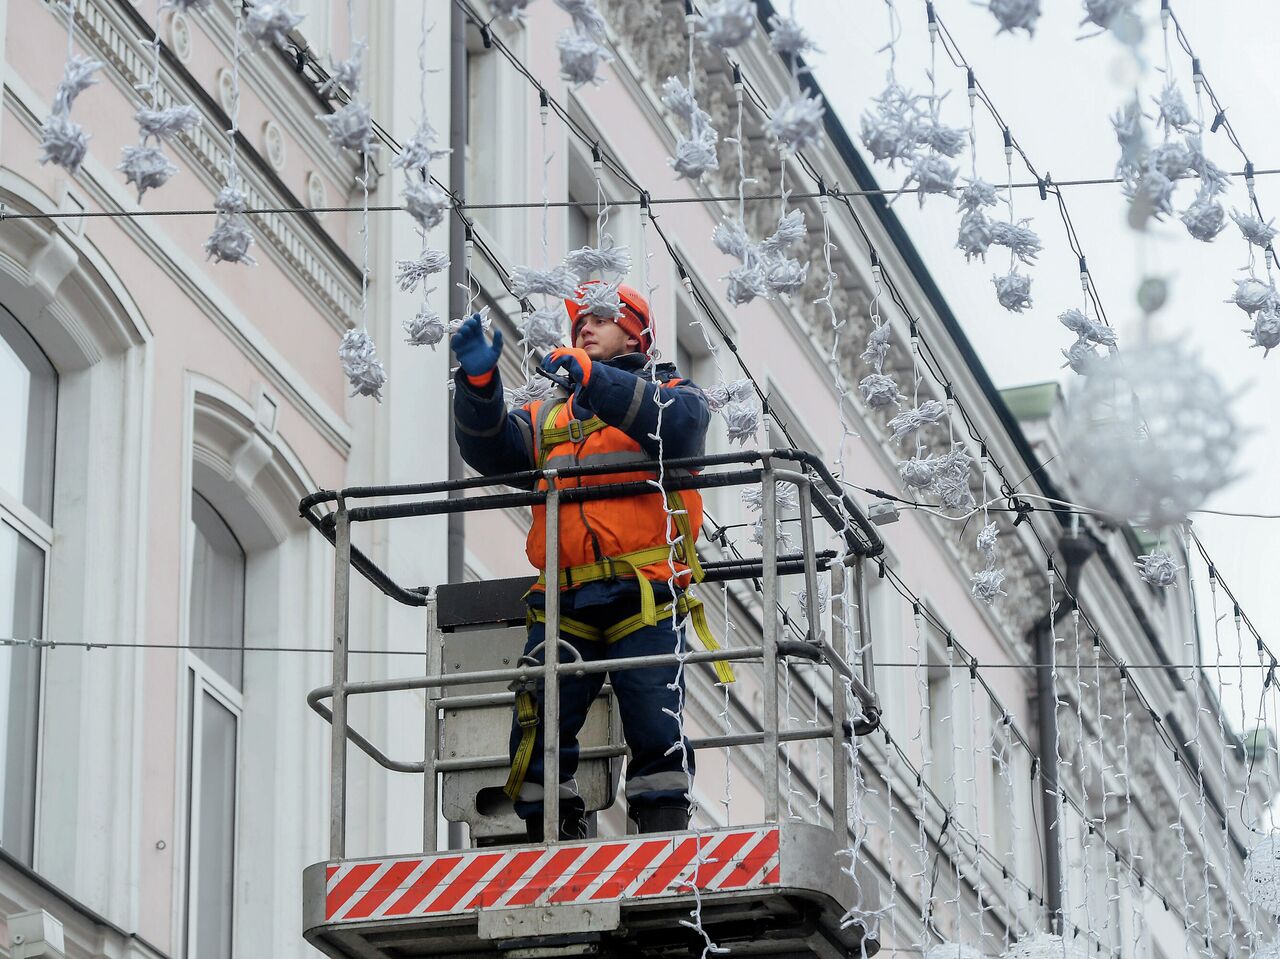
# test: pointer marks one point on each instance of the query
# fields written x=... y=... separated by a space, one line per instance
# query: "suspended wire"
x=1042 y=183
x=1220 y=121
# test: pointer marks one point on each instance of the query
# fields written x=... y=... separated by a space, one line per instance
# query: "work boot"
x=662 y=819
x=573 y=825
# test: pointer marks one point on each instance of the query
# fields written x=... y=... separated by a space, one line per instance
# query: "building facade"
x=162 y=800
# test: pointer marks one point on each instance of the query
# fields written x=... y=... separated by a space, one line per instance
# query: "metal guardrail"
x=859 y=538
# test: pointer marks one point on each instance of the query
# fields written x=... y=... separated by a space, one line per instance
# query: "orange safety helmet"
x=635 y=317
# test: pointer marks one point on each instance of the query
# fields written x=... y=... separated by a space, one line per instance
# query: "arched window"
x=28 y=397
x=216 y=636
x=217 y=592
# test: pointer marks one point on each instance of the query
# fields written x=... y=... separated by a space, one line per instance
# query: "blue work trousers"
x=656 y=773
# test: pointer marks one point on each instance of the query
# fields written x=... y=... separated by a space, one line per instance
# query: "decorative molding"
x=180 y=38
x=287 y=97
x=202 y=292
x=273 y=145
x=331 y=283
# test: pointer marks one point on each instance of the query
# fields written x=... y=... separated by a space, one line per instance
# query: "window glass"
x=28 y=395
x=582 y=224
x=217 y=592
x=21 y=615
x=213 y=831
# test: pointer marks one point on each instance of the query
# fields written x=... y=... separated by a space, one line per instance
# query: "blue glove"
x=476 y=356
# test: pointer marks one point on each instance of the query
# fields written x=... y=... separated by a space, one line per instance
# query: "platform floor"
x=761 y=891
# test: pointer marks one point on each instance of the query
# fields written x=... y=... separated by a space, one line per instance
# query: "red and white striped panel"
x=589 y=872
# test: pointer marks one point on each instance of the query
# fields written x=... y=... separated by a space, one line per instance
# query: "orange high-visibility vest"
x=608 y=538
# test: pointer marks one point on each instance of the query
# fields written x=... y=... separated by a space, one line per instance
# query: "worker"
x=619 y=558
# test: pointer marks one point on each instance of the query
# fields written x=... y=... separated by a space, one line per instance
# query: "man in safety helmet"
x=619 y=557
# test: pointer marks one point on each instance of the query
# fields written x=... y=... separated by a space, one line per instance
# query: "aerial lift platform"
x=778 y=887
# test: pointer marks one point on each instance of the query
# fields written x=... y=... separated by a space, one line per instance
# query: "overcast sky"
x=1057 y=93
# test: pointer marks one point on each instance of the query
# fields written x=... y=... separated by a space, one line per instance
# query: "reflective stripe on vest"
x=627 y=536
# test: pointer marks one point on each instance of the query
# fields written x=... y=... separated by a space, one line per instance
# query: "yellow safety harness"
x=624 y=566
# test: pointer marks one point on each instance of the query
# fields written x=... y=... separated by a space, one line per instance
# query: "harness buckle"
x=575 y=430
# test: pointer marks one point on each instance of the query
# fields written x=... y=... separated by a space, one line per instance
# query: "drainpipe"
x=455 y=549
x=1075 y=548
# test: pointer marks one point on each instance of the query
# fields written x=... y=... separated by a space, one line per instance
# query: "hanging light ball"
x=1153 y=293
x=1262 y=876
x=1150 y=435
x=1042 y=945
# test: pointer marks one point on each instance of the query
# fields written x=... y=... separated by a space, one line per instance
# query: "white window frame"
x=203 y=678
x=31 y=527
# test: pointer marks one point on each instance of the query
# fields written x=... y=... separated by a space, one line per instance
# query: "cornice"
x=292 y=101
x=100 y=185
x=295 y=242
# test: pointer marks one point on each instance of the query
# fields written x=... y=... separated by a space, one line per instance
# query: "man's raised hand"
x=476 y=355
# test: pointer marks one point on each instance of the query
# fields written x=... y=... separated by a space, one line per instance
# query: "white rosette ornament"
x=1150 y=434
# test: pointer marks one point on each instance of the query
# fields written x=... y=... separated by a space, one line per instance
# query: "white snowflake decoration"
x=544 y=329
x=797 y=123
x=1266 y=330
x=606 y=258
x=63 y=142
x=167 y=123
x=230 y=238
x=728 y=23
x=909 y=421
x=350 y=126
x=824 y=598
x=742 y=420
x=360 y=363
x=696 y=153
x=1254 y=231
x=77 y=76
x=891 y=130
x=581 y=57
x=146 y=167
x=1253 y=295
x=425 y=202
x=425 y=329
x=345 y=74
x=879 y=391
x=559 y=281
x=1022 y=241
x=511 y=10
x=1205 y=218
x=1015 y=15
x=1158 y=569
x=722 y=394
x=788 y=37
x=1013 y=291
x=420 y=149
x=601 y=299
x=1173 y=113
x=269 y=21
x=412 y=272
